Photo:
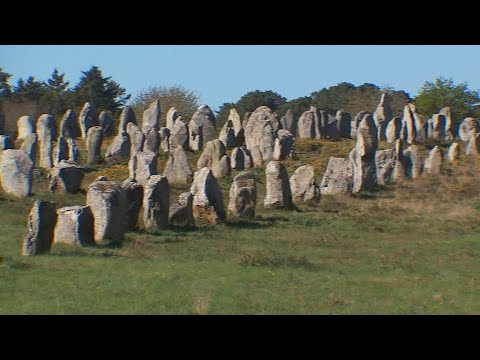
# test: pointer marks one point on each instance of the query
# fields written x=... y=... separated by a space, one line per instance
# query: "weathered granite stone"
x=87 y=119
x=181 y=212
x=151 y=117
x=303 y=185
x=94 y=144
x=137 y=139
x=453 y=152
x=134 y=195
x=434 y=161
x=69 y=127
x=30 y=146
x=338 y=177
x=127 y=116
x=243 y=195
x=260 y=132
x=207 y=197
x=25 y=126
x=178 y=169
x=105 y=121
x=278 y=193
x=66 y=177
x=204 y=117
x=467 y=128
x=75 y=225
x=179 y=134
x=156 y=202
x=40 y=227
x=16 y=172
x=344 y=123
x=143 y=165
x=119 y=149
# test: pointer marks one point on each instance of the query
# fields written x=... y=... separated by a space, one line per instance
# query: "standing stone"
x=240 y=159
x=181 y=212
x=393 y=130
x=473 y=145
x=156 y=202
x=137 y=139
x=260 y=132
x=196 y=140
x=94 y=144
x=306 y=125
x=178 y=169
x=87 y=119
x=151 y=117
x=402 y=162
x=278 y=193
x=106 y=123
x=433 y=163
x=238 y=129
x=289 y=123
x=46 y=135
x=75 y=225
x=303 y=185
x=243 y=195
x=215 y=157
x=179 y=134
x=319 y=122
x=439 y=123
x=171 y=117
x=61 y=151
x=284 y=145
x=163 y=136
x=134 y=195
x=204 y=117
x=331 y=128
x=69 y=127
x=356 y=122
x=6 y=143
x=119 y=149
x=453 y=152
x=127 y=116
x=16 y=172
x=384 y=165
x=467 y=128
x=338 y=177
x=152 y=141
x=207 y=197
x=30 y=146
x=246 y=117
x=449 y=130
x=414 y=124
x=66 y=177
x=25 y=126
x=41 y=225
x=382 y=115
x=414 y=166
x=109 y=206
x=73 y=151
x=256 y=156
x=227 y=135
x=143 y=165
x=344 y=123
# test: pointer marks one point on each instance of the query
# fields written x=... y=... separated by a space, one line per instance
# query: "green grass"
x=413 y=248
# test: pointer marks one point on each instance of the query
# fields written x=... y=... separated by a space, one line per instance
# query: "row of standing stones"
x=260 y=139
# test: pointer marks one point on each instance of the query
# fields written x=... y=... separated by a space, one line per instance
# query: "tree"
x=5 y=88
x=443 y=92
x=249 y=102
x=298 y=106
x=185 y=101
x=28 y=90
x=102 y=92
x=56 y=97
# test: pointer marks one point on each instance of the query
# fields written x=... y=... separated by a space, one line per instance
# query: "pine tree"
x=5 y=88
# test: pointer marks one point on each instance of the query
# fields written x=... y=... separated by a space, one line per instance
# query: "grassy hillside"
x=412 y=248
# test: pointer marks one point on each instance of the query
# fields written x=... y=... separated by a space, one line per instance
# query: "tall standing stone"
x=393 y=129
x=6 y=143
x=61 y=151
x=66 y=177
x=356 y=123
x=215 y=157
x=288 y=122
x=384 y=165
x=16 y=172
x=87 y=119
x=473 y=145
x=204 y=117
x=240 y=159
x=151 y=117
x=238 y=129
x=467 y=128
x=284 y=145
x=439 y=127
x=143 y=165
x=278 y=193
x=152 y=141
x=46 y=135
x=94 y=144
x=260 y=133
x=227 y=135
x=382 y=115
x=75 y=225
x=195 y=140
x=127 y=116
x=449 y=130
x=105 y=121
x=453 y=152
x=134 y=195
x=181 y=212
x=171 y=117
x=243 y=195
x=434 y=161
x=163 y=136
x=178 y=169
x=69 y=127
x=344 y=123
x=119 y=149
x=207 y=197
x=338 y=177
x=306 y=124
x=41 y=225
x=414 y=164
x=109 y=206
x=73 y=151
x=303 y=185
x=25 y=126
x=402 y=162
x=179 y=134
x=30 y=146
x=156 y=202
x=137 y=139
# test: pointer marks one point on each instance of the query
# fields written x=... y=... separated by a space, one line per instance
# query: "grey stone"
x=16 y=172
x=179 y=134
x=256 y=154
x=69 y=127
x=156 y=202
x=439 y=123
x=246 y=117
x=449 y=130
x=284 y=145
x=30 y=146
x=338 y=177
x=127 y=116
x=73 y=151
x=453 y=152
x=66 y=177
x=240 y=159
x=364 y=172
x=204 y=117
x=303 y=185
x=434 y=161
x=137 y=139
x=473 y=145
x=181 y=212
x=366 y=135
x=164 y=139
x=171 y=117
x=152 y=141
x=119 y=149
x=356 y=122
x=344 y=123
x=414 y=124
x=214 y=156
x=382 y=115
x=393 y=130
x=105 y=121
x=278 y=193
x=75 y=225
x=238 y=129
x=306 y=124
x=178 y=169
x=401 y=162
x=288 y=122
x=25 y=126
x=227 y=135
x=207 y=197
x=109 y=206
x=94 y=144
x=414 y=166
x=40 y=228
x=467 y=128
x=260 y=132
x=87 y=119
x=134 y=195
x=6 y=143
x=196 y=140
x=331 y=128
x=384 y=165
x=46 y=135
x=151 y=117
x=143 y=165
x=243 y=195
x=61 y=151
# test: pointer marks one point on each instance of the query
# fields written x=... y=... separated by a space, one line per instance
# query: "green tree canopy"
x=56 y=97
x=5 y=88
x=443 y=92
x=185 y=101
x=298 y=106
x=28 y=90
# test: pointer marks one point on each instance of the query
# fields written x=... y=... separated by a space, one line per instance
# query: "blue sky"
x=220 y=73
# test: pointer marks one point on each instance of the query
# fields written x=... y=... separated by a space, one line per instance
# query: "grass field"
x=409 y=248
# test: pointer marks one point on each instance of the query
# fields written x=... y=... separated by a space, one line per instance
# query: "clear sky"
x=220 y=73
